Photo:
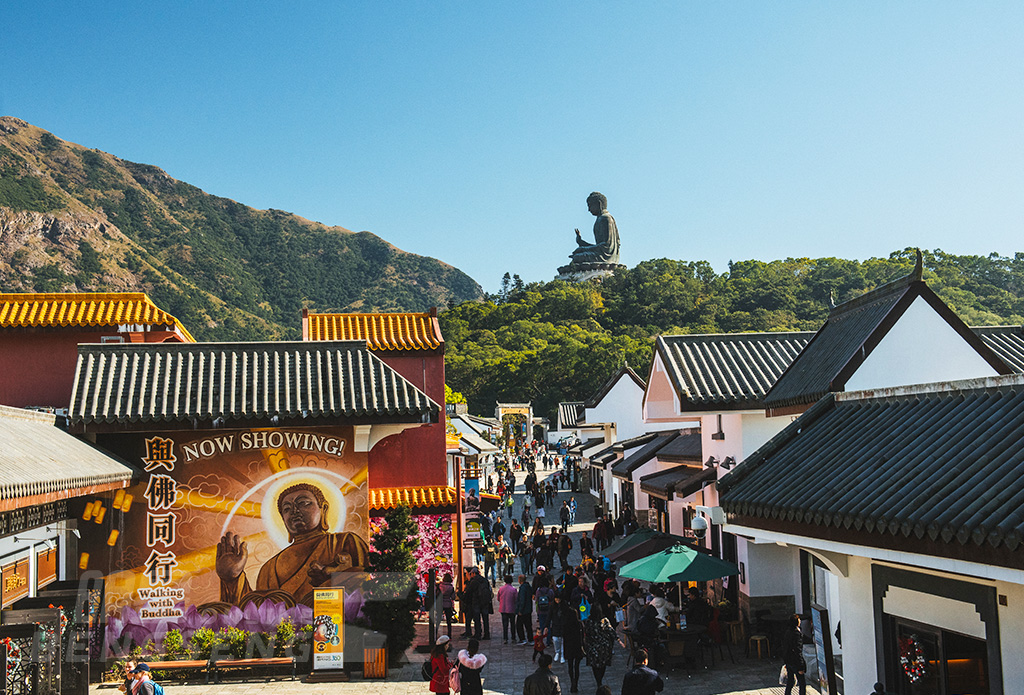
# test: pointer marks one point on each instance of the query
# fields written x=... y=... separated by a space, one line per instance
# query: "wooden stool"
x=759 y=640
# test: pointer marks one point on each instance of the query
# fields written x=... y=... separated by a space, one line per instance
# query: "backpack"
x=543 y=601
x=455 y=680
x=426 y=672
x=157 y=688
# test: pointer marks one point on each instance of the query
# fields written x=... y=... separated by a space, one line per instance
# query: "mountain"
x=79 y=220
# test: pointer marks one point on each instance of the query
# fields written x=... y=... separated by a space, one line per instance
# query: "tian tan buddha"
x=605 y=248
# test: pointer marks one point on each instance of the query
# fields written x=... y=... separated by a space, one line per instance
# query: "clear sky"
x=473 y=132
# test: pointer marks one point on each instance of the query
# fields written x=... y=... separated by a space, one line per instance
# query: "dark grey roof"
x=570 y=413
x=624 y=468
x=1005 y=341
x=928 y=465
x=38 y=458
x=686 y=447
x=578 y=448
x=678 y=480
x=724 y=371
x=852 y=331
x=624 y=370
x=238 y=381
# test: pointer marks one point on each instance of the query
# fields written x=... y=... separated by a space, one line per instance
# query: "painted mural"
x=233 y=529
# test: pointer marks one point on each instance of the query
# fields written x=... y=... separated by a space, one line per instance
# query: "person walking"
x=600 y=638
x=572 y=645
x=507 y=597
x=572 y=510
x=526 y=557
x=143 y=681
x=448 y=600
x=564 y=548
x=440 y=666
x=515 y=533
x=524 y=611
x=642 y=680
x=471 y=663
x=545 y=597
x=793 y=657
x=542 y=681
x=557 y=628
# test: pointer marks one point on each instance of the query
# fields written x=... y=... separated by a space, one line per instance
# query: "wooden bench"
x=217 y=665
x=179 y=666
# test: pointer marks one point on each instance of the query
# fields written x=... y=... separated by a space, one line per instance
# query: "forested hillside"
x=76 y=219
x=549 y=342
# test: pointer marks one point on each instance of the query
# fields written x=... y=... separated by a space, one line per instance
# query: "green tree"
x=391 y=592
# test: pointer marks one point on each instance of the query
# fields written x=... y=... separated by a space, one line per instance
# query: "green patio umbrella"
x=678 y=563
x=647 y=547
x=639 y=536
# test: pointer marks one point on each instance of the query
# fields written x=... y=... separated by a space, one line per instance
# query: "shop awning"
x=680 y=480
x=41 y=463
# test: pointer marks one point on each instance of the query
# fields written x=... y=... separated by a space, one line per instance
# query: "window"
x=933 y=661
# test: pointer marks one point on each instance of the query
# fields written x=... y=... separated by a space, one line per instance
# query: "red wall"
x=38 y=367
x=414 y=457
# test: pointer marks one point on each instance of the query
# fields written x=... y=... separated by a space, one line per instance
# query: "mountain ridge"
x=76 y=219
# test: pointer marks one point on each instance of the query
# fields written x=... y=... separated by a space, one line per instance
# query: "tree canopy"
x=558 y=341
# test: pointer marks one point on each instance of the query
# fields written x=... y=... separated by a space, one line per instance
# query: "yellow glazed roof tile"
x=390 y=497
x=22 y=309
x=399 y=331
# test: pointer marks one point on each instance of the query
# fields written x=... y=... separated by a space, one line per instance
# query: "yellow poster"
x=328 y=629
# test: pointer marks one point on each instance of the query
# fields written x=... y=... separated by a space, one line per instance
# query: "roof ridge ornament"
x=919 y=266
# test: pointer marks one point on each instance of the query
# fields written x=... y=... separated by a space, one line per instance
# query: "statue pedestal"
x=580 y=272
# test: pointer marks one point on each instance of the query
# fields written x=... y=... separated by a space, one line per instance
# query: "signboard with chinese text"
x=228 y=525
x=328 y=629
x=14 y=581
x=46 y=567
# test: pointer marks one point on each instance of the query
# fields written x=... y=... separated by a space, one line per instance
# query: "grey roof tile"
x=169 y=382
x=917 y=462
x=728 y=370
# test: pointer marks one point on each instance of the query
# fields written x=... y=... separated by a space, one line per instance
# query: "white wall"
x=623 y=405
x=772 y=570
x=1011 y=627
x=921 y=348
x=860 y=670
x=662 y=403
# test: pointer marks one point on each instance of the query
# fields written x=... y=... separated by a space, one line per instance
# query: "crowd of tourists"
x=559 y=611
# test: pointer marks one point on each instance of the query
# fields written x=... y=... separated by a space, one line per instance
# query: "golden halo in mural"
x=329 y=482
x=337 y=510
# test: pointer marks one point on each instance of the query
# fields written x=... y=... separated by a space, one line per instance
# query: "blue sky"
x=473 y=132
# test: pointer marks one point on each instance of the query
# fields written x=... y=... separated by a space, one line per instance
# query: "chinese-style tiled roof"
x=727 y=370
x=405 y=331
x=583 y=446
x=679 y=480
x=624 y=371
x=624 y=468
x=1005 y=341
x=84 y=309
x=933 y=463
x=38 y=458
x=852 y=331
x=685 y=448
x=570 y=413
x=239 y=381
x=391 y=497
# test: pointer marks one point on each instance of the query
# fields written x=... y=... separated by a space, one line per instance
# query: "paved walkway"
x=508 y=665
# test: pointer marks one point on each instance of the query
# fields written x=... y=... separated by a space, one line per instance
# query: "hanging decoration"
x=912 y=659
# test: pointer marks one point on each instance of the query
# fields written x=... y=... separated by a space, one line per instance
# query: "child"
x=538 y=642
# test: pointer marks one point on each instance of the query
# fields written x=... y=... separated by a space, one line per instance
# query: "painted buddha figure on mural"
x=307 y=562
x=605 y=248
